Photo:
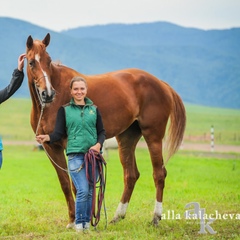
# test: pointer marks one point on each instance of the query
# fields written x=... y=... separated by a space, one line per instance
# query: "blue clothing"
x=0 y=159
x=1 y=145
x=83 y=202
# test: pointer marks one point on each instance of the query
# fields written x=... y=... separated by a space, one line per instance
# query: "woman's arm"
x=16 y=81
x=101 y=133
x=59 y=130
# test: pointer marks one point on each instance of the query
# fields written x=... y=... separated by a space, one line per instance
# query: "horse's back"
x=130 y=94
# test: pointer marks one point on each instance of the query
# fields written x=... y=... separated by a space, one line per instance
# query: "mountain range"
x=203 y=66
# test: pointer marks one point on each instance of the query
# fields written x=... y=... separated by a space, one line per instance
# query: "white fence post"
x=212 y=138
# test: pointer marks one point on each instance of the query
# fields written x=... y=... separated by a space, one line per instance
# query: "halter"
x=42 y=107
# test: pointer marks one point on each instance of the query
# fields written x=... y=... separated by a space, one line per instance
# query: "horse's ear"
x=29 y=42
x=46 y=40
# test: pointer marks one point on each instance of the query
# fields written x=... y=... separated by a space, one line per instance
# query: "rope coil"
x=98 y=180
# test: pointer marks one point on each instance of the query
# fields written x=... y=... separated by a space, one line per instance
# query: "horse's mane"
x=57 y=62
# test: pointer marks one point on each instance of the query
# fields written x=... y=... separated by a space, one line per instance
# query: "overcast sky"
x=64 y=14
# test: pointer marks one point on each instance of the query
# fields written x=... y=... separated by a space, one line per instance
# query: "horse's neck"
x=60 y=74
x=60 y=80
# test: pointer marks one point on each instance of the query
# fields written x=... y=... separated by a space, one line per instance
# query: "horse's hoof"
x=70 y=225
x=117 y=219
x=155 y=221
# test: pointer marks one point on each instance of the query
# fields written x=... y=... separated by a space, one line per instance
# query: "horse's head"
x=39 y=68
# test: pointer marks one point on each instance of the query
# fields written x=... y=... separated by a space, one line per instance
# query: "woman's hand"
x=21 y=61
x=96 y=147
x=42 y=138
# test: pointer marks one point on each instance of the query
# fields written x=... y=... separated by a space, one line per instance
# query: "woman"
x=14 y=85
x=81 y=122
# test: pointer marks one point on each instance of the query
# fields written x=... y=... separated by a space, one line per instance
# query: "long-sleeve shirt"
x=14 y=85
x=60 y=127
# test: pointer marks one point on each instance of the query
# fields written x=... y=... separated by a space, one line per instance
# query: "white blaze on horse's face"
x=48 y=85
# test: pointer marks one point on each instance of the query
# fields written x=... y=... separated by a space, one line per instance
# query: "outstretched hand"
x=21 y=61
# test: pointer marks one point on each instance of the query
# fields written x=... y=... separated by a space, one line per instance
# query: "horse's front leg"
x=58 y=160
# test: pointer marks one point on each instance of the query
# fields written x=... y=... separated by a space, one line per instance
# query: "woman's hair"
x=77 y=79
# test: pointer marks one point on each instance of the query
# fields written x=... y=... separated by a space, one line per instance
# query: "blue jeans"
x=83 y=202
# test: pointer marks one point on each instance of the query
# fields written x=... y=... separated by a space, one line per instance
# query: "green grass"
x=225 y=122
x=15 y=117
x=15 y=120
x=33 y=206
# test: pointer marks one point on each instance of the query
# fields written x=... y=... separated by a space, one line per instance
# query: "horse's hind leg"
x=127 y=142
x=159 y=171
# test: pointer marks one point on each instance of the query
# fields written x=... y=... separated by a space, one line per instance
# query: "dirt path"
x=207 y=147
x=186 y=146
x=204 y=147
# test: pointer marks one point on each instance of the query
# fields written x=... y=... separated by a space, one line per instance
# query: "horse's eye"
x=49 y=62
x=32 y=63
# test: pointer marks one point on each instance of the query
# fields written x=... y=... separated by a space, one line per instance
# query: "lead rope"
x=96 y=161
x=38 y=125
x=96 y=178
x=42 y=108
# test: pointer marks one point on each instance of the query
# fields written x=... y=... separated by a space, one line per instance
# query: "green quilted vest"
x=80 y=126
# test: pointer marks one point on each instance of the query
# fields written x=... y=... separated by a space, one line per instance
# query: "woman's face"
x=79 y=91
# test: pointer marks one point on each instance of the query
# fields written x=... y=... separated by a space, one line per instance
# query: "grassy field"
x=225 y=123
x=33 y=206
x=15 y=117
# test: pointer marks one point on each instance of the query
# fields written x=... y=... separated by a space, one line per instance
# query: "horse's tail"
x=176 y=126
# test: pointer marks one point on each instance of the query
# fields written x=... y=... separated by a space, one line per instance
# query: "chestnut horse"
x=132 y=102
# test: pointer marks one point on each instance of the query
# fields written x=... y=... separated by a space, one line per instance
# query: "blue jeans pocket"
x=75 y=161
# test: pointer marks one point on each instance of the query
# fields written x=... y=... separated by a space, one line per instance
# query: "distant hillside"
x=202 y=66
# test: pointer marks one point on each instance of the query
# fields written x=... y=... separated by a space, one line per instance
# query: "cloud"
x=59 y=15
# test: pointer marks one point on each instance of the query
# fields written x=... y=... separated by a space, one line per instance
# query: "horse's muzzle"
x=47 y=98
